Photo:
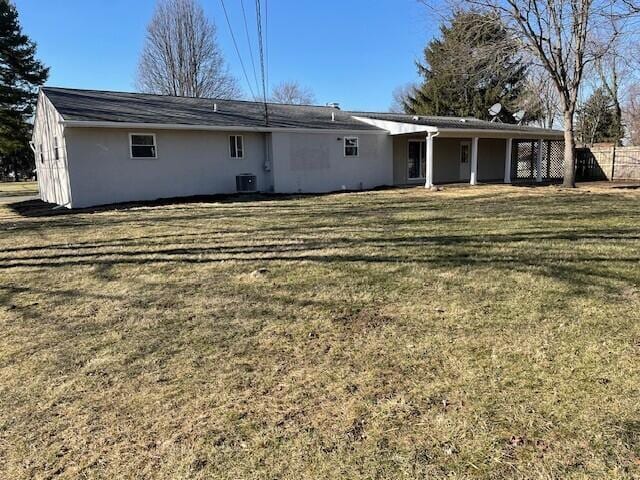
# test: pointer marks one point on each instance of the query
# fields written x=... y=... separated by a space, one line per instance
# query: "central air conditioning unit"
x=246 y=183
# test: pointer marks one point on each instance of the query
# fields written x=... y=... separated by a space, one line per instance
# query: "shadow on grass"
x=582 y=271
x=38 y=208
x=580 y=245
x=629 y=433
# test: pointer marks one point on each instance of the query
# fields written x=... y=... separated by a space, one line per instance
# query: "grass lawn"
x=10 y=189
x=489 y=332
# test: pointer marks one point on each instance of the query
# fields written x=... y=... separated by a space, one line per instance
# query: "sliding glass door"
x=417 y=160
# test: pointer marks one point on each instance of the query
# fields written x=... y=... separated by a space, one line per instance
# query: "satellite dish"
x=495 y=110
x=519 y=115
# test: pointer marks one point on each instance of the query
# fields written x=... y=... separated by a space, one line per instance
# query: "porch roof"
x=399 y=124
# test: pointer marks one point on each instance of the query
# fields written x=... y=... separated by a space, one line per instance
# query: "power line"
x=266 y=37
x=235 y=44
x=246 y=29
x=261 y=45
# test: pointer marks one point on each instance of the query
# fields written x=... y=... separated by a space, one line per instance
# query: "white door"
x=465 y=160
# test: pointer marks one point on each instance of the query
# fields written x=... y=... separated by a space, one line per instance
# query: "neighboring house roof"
x=79 y=107
x=99 y=106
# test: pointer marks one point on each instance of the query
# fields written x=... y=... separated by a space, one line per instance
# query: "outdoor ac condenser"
x=246 y=183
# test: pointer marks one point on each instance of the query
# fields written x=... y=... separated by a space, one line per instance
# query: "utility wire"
x=235 y=44
x=246 y=29
x=261 y=45
x=266 y=38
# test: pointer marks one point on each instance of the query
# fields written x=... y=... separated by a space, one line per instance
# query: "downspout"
x=429 y=172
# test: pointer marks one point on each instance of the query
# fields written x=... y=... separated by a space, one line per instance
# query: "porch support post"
x=539 y=162
x=507 y=161
x=429 y=173
x=474 y=161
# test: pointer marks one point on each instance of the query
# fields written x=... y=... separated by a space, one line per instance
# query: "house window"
x=143 y=145
x=41 y=152
x=56 y=148
x=351 y=146
x=236 y=146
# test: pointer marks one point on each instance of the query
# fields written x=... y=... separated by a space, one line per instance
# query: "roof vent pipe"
x=333 y=116
x=215 y=107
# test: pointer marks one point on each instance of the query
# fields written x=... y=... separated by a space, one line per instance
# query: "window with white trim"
x=236 y=146
x=41 y=152
x=142 y=145
x=351 y=146
x=56 y=148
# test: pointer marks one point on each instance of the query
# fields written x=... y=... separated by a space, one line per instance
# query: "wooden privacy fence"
x=608 y=163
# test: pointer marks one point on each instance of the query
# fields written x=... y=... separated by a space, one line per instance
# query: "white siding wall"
x=53 y=175
x=189 y=163
x=315 y=162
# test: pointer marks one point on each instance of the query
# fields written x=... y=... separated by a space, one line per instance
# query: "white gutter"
x=182 y=126
x=429 y=173
x=396 y=128
x=403 y=128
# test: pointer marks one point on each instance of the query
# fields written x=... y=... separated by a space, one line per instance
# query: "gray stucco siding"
x=188 y=163
x=491 y=156
x=446 y=159
x=315 y=162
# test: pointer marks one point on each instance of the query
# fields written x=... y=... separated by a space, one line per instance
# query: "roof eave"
x=487 y=132
x=396 y=128
x=406 y=128
x=218 y=128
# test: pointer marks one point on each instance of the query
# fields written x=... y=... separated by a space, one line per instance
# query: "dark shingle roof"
x=100 y=106
x=453 y=122
x=103 y=106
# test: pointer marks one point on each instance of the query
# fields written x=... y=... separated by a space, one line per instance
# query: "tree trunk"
x=569 y=151
x=618 y=120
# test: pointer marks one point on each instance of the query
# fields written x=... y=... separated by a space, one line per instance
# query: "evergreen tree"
x=20 y=76
x=596 y=119
x=474 y=65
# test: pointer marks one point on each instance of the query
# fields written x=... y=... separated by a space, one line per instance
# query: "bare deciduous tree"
x=399 y=97
x=557 y=34
x=181 y=55
x=292 y=93
x=612 y=67
x=541 y=100
x=631 y=113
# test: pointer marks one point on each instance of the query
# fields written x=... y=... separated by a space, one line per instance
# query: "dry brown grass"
x=11 y=189
x=491 y=332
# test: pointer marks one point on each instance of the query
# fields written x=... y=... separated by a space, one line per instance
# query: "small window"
x=56 y=148
x=41 y=152
x=143 y=145
x=465 y=152
x=236 y=146
x=351 y=146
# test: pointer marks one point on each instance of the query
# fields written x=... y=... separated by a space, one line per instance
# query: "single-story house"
x=97 y=147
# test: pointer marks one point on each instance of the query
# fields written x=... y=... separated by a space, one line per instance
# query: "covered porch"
x=434 y=150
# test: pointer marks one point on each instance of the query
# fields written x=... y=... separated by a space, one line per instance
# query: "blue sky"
x=352 y=51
